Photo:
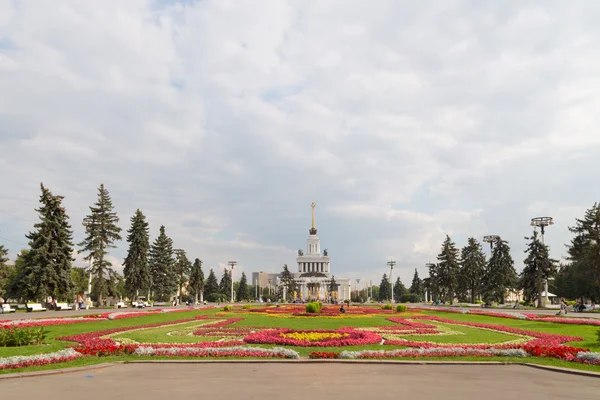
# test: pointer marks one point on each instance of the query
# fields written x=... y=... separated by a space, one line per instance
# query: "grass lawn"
x=466 y=335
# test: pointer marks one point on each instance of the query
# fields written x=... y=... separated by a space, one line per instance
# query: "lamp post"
x=391 y=264
x=542 y=223
x=232 y=264
x=491 y=239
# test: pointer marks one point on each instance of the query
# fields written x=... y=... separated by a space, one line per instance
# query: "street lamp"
x=391 y=264
x=491 y=239
x=542 y=223
x=232 y=264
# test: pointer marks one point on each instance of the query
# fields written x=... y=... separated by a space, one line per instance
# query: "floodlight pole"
x=542 y=223
x=491 y=239
x=391 y=264
x=232 y=264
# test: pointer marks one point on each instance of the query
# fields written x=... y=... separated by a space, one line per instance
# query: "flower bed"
x=323 y=355
x=38 y=359
x=433 y=352
x=316 y=337
x=236 y=352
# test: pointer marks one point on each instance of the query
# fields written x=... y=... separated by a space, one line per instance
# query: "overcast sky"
x=404 y=121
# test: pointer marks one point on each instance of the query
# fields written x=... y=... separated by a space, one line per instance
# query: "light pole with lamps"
x=491 y=239
x=232 y=264
x=391 y=264
x=542 y=223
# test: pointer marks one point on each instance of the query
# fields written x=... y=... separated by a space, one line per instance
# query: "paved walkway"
x=511 y=311
x=73 y=313
x=305 y=381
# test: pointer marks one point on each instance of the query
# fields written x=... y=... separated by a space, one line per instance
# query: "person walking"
x=563 y=306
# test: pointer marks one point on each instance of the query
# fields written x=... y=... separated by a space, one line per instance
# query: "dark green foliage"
x=45 y=270
x=287 y=281
x=80 y=280
x=538 y=267
x=400 y=308
x=138 y=278
x=196 y=284
x=216 y=298
x=182 y=269
x=500 y=275
x=410 y=298
x=14 y=337
x=6 y=271
x=387 y=307
x=314 y=307
x=472 y=270
x=384 y=289
x=164 y=280
x=101 y=233
x=399 y=289
x=447 y=270
x=225 y=284
x=416 y=286
x=242 y=292
x=211 y=286
x=333 y=285
x=228 y=308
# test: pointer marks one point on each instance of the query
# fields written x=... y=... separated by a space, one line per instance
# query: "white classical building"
x=314 y=271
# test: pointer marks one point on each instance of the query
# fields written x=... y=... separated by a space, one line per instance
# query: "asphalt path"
x=305 y=381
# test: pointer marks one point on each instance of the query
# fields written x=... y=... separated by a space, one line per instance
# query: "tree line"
x=155 y=271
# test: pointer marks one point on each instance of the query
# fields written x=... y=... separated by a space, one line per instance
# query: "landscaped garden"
x=290 y=332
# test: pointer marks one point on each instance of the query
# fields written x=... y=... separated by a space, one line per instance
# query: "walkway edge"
x=34 y=374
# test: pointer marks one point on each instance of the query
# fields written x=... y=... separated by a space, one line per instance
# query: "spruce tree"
x=6 y=271
x=225 y=284
x=101 y=233
x=500 y=275
x=287 y=281
x=399 y=290
x=416 y=286
x=164 y=280
x=538 y=268
x=212 y=286
x=472 y=269
x=384 y=289
x=182 y=268
x=448 y=268
x=45 y=270
x=137 y=268
x=242 y=293
x=432 y=282
x=333 y=286
x=196 y=284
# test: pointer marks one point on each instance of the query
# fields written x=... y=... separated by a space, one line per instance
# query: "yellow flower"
x=313 y=336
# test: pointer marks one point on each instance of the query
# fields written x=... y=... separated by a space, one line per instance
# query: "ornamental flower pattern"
x=352 y=337
x=38 y=359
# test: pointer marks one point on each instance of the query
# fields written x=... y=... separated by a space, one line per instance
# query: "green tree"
x=225 y=284
x=288 y=282
x=538 y=268
x=196 y=284
x=45 y=270
x=432 y=284
x=384 y=289
x=242 y=293
x=500 y=275
x=472 y=269
x=212 y=286
x=399 y=289
x=101 y=233
x=137 y=268
x=416 y=286
x=164 y=280
x=183 y=268
x=333 y=285
x=6 y=271
x=448 y=268
x=80 y=279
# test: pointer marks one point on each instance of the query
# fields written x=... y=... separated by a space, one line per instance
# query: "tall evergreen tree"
x=196 y=284
x=164 y=280
x=399 y=289
x=538 y=268
x=80 y=280
x=225 y=284
x=416 y=286
x=211 y=286
x=448 y=268
x=432 y=283
x=500 y=275
x=384 y=289
x=182 y=268
x=333 y=286
x=287 y=281
x=137 y=269
x=6 y=271
x=45 y=270
x=101 y=233
x=242 y=292
x=472 y=269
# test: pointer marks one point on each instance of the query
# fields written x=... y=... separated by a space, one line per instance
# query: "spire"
x=313 y=230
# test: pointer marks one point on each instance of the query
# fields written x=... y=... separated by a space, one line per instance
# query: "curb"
x=48 y=372
x=563 y=370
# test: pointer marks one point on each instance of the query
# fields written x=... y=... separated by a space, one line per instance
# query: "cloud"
x=222 y=120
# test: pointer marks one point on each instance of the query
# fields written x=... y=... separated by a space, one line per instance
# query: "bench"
x=35 y=307
x=63 y=306
x=121 y=304
x=7 y=309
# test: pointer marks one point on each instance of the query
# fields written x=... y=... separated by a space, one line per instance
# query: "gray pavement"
x=73 y=313
x=299 y=380
x=512 y=311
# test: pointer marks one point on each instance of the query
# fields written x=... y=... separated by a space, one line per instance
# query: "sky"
x=223 y=120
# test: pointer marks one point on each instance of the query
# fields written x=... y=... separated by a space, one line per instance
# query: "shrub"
x=410 y=298
x=246 y=307
x=387 y=307
x=227 y=308
x=478 y=301
x=215 y=297
x=14 y=337
x=314 y=307
x=400 y=308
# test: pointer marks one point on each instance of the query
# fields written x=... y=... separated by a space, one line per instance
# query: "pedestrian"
x=1 y=305
x=563 y=306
